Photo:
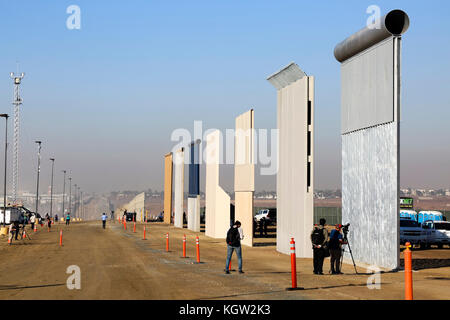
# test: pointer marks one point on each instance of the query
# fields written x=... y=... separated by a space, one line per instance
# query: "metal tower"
x=17 y=102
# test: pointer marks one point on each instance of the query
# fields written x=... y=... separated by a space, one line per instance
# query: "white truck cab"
x=437 y=233
x=411 y=232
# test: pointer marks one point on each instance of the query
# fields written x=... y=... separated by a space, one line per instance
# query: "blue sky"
x=104 y=99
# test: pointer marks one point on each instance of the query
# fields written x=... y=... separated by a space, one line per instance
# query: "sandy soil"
x=117 y=264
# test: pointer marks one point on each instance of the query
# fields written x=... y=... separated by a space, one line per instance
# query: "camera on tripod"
x=345 y=228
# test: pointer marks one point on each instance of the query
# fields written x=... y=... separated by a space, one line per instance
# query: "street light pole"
x=64 y=192
x=6 y=161
x=51 y=188
x=81 y=196
x=75 y=200
x=79 y=202
x=70 y=196
x=38 y=171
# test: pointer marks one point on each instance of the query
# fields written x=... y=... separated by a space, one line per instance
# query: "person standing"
x=104 y=217
x=32 y=220
x=234 y=236
x=319 y=238
x=262 y=221
x=335 y=246
x=49 y=222
x=67 y=218
x=56 y=218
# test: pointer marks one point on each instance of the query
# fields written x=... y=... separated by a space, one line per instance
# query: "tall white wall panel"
x=194 y=214
x=179 y=188
x=368 y=87
x=295 y=212
x=370 y=194
x=244 y=173
x=217 y=218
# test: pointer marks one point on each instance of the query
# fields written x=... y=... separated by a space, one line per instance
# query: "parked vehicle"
x=131 y=216
x=410 y=231
x=430 y=215
x=268 y=214
x=437 y=233
x=13 y=214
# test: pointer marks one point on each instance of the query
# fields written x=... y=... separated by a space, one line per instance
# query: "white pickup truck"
x=411 y=232
x=437 y=233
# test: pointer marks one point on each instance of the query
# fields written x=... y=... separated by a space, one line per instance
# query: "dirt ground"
x=117 y=264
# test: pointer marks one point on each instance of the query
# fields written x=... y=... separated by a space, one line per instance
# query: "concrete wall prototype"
x=194 y=187
x=217 y=218
x=136 y=205
x=179 y=188
x=244 y=173
x=295 y=177
x=370 y=73
x=168 y=170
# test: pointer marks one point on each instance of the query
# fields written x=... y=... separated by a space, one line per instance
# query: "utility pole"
x=64 y=192
x=17 y=102
x=51 y=188
x=38 y=171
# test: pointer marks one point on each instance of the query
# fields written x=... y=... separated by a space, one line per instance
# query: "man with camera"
x=319 y=238
x=335 y=246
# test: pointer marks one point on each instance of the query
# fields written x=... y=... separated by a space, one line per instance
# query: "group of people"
x=323 y=245
x=327 y=245
x=33 y=219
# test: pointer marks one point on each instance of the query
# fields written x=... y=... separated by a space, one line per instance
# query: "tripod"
x=349 y=249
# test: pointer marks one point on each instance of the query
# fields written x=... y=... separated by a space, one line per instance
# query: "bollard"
x=60 y=238
x=134 y=227
x=167 y=242
x=197 y=243
x=144 y=233
x=408 y=272
x=293 y=265
x=184 y=246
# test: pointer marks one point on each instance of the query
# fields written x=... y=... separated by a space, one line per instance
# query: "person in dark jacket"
x=234 y=237
x=335 y=246
x=319 y=239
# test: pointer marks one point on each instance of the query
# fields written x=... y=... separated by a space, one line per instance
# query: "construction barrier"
x=197 y=243
x=293 y=265
x=184 y=246
x=408 y=272
x=167 y=242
